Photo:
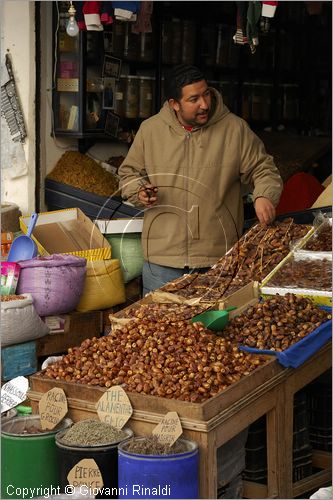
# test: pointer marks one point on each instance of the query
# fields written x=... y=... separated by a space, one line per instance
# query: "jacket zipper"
x=187 y=157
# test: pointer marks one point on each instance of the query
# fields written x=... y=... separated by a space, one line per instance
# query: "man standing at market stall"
x=185 y=168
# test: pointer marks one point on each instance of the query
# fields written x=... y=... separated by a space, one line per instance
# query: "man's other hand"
x=265 y=210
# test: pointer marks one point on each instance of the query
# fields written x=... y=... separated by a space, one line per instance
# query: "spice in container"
x=91 y=433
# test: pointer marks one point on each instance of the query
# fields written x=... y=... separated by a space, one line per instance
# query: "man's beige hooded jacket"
x=199 y=214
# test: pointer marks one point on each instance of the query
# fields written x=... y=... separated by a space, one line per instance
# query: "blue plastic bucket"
x=158 y=476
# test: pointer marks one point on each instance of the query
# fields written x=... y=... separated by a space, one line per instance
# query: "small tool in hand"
x=150 y=192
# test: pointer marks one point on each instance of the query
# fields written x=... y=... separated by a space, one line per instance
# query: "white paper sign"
x=13 y=393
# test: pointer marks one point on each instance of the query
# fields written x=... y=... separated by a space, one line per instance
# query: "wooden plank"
x=254 y=490
x=78 y=327
x=321 y=459
x=313 y=482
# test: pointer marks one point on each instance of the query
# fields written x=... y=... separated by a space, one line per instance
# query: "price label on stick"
x=169 y=429
x=85 y=473
x=52 y=408
x=114 y=407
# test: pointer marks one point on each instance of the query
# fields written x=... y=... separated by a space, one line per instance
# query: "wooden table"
x=267 y=391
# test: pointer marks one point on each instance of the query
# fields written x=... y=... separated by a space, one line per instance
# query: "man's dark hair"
x=178 y=77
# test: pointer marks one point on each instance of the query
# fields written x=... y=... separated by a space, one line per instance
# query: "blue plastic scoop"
x=24 y=247
x=214 y=320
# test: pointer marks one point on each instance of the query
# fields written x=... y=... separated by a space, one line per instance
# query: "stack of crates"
x=320 y=411
x=302 y=449
x=256 y=453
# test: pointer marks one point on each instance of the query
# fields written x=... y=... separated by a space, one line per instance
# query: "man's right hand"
x=147 y=195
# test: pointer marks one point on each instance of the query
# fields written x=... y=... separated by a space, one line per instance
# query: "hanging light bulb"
x=72 y=28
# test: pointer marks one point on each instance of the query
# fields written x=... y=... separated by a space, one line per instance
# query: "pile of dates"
x=312 y=274
x=157 y=311
x=322 y=240
x=172 y=359
x=277 y=323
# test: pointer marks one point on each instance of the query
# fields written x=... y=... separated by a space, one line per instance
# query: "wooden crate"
x=18 y=359
x=266 y=391
x=78 y=327
x=133 y=291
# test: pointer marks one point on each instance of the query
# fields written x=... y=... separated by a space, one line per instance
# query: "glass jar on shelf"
x=131 y=43
x=119 y=97
x=246 y=100
x=290 y=101
x=188 y=42
x=131 y=107
x=227 y=89
x=146 y=47
x=208 y=44
x=145 y=96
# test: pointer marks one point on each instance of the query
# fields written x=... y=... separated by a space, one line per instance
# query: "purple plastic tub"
x=55 y=282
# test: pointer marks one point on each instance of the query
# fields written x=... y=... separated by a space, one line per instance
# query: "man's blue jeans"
x=155 y=276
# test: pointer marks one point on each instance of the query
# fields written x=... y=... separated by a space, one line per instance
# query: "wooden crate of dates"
x=319 y=241
x=170 y=364
x=252 y=258
x=303 y=273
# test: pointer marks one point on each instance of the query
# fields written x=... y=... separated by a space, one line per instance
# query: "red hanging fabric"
x=299 y=193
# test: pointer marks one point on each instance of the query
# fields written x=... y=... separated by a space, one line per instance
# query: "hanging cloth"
x=267 y=13
x=143 y=23
x=240 y=37
x=253 y=16
x=92 y=18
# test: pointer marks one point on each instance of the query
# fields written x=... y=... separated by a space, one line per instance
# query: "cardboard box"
x=68 y=231
x=120 y=226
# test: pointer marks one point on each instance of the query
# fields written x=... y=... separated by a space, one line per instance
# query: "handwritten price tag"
x=86 y=472
x=52 y=408
x=114 y=407
x=169 y=429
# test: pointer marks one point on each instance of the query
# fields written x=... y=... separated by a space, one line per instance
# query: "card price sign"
x=52 y=408
x=114 y=407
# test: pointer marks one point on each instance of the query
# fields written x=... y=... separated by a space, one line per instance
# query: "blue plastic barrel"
x=158 y=476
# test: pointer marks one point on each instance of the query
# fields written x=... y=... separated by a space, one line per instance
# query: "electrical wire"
x=53 y=86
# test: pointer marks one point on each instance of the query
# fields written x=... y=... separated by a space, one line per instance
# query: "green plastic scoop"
x=214 y=320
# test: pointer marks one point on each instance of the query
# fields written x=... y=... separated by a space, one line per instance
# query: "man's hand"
x=147 y=195
x=265 y=210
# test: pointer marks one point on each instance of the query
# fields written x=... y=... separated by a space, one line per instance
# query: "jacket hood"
x=218 y=111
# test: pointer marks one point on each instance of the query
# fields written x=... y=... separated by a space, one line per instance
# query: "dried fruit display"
x=313 y=274
x=252 y=258
x=84 y=173
x=277 y=323
x=7 y=298
x=163 y=312
x=175 y=359
x=321 y=241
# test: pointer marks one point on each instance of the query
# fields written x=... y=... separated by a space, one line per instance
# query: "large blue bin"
x=158 y=476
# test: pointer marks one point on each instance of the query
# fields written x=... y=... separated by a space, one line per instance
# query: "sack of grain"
x=103 y=287
x=55 y=282
x=19 y=320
